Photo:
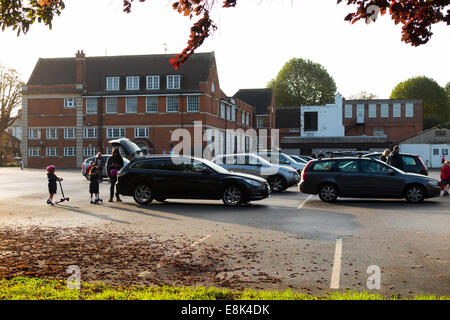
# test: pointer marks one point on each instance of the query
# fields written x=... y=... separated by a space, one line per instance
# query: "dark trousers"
x=112 y=181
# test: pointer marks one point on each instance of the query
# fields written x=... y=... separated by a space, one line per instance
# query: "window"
x=51 y=152
x=384 y=112
x=372 y=110
x=409 y=161
x=34 y=152
x=373 y=167
x=233 y=113
x=69 y=151
x=133 y=83
x=310 y=121
x=111 y=105
x=247 y=119
x=115 y=132
x=52 y=133
x=141 y=132
x=89 y=151
x=213 y=88
x=396 y=112
x=378 y=132
x=69 y=134
x=151 y=104
x=173 y=82
x=152 y=82
x=91 y=106
x=131 y=104
x=348 y=166
x=409 y=110
x=439 y=133
x=228 y=112
x=222 y=110
x=323 y=166
x=90 y=133
x=435 y=152
x=69 y=102
x=193 y=104
x=112 y=83
x=172 y=104
x=259 y=122
x=243 y=117
x=348 y=111
x=34 y=134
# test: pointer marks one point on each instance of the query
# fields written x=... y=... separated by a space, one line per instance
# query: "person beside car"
x=385 y=155
x=445 y=177
x=113 y=165
x=99 y=162
x=395 y=159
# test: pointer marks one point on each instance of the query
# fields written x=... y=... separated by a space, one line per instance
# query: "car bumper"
x=433 y=191
x=293 y=180
x=259 y=193
x=304 y=188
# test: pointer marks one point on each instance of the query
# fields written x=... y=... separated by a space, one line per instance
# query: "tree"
x=363 y=95
x=10 y=97
x=303 y=82
x=436 y=106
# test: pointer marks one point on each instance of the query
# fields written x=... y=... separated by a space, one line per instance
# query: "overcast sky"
x=253 y=42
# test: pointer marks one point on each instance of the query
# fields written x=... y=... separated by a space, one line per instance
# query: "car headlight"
x=253 y=182
x=434 y=183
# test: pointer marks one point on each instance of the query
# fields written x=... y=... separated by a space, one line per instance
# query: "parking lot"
x=290 y=240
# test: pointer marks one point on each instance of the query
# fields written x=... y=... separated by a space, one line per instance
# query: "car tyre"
x=277 y=183
x=415 y=194
x=143 y=194
x=232 y=196
x=328 y=193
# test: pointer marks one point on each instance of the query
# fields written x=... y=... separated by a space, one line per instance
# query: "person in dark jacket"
x=52 y=179
x=113 y=165
x=395 y=159
x=94 y=176
x=100 y=164
x=385 y=155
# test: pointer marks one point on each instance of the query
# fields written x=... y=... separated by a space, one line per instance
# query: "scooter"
x=63 y=198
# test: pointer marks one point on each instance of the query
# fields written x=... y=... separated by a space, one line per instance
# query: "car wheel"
x=143 y=194
x=277 y=184
x=232 y=196
x=328 y=193
x=415 y=194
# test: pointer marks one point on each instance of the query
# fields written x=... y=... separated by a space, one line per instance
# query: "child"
x=52 y=178
x=94 y=176
x=445 y=177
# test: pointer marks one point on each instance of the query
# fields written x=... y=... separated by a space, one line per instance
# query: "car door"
x=349 y=177
x=381 y=180
x=166 y=177
x=198 y=181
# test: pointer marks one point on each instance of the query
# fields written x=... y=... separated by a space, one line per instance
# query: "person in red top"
x=443 y=159
x=445 y=177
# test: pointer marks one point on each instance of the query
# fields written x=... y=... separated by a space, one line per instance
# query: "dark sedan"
x=364 y=178
x=179 y=177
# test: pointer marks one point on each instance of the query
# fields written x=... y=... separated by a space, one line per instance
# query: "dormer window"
x=173 y=82
x=133 y=83
x=152 y=82
x=112 y=83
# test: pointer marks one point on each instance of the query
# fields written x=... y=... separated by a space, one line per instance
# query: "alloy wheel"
x=328 y=193
x=143 y=194
x=415 y=194
x=232 y=196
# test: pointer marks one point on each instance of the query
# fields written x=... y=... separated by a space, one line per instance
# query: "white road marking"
x=303 y=202
x=336 y=265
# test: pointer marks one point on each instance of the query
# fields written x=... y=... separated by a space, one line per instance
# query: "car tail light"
x=82 y=167
x=304 y=170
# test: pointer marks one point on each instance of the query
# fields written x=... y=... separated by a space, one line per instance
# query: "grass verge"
x=22 y=288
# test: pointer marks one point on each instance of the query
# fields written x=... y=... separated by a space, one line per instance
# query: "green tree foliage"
x=436 y=105
x=303 y=82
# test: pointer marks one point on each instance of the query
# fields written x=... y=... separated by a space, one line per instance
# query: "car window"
x=230 y=159
x=409 y=161
x=348 y=166
x=323 y=166
x=373 y=167
x=283 y=159
x=143 y=165
x=251 y=160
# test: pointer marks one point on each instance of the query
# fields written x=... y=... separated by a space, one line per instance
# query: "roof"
x=57 y=71
x=259 y=98
x=287 y=117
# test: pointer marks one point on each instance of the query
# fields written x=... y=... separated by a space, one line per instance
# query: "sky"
x=253 y=42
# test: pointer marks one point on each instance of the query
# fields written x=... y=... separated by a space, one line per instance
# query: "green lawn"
x=39 y=289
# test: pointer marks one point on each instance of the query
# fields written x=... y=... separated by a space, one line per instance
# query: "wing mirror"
x=390 y=172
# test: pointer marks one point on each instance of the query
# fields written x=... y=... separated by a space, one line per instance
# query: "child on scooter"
x=52 y=179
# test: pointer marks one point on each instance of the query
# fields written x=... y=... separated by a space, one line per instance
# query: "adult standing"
x=113 y=165
x=445 y=177
x=385 y=155
x=395 y=159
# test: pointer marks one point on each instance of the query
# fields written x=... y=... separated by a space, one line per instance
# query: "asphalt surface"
x=290 y=240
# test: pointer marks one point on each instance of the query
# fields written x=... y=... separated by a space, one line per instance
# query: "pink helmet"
x=50 y=168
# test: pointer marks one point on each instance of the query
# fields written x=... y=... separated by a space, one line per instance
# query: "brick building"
x=72 y=107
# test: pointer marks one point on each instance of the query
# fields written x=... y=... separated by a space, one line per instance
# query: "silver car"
x=279 y=177
x=86 y=162
x=282 y=159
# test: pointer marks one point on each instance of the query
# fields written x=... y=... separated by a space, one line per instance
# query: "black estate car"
x=364 y=178
x=182 y=177
x=411 y=162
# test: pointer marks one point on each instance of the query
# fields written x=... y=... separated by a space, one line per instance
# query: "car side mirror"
x=390 y=172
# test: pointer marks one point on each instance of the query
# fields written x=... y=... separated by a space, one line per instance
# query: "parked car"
x=103 y=174
x=181 y=177
x=279 y=177
x=283 y=160
x=364 y=178
x=301 y=159
x=411 y=162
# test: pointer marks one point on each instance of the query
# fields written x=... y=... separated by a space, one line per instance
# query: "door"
x=437 y=151
x=378 y=182
x=349 y=178
x=199 y=181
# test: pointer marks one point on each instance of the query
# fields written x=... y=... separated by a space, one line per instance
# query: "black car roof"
x=401 y=153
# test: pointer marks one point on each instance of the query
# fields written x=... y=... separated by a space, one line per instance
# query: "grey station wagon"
x=364 y=178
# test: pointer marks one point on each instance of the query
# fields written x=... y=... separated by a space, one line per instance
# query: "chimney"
x=80 y=67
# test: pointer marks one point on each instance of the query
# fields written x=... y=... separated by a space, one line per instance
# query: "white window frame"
x=384 y=110
x=149 y=103
x=173 y=82
x=141 y=132
x=51 y=151
x=90 y=133
x=228 y=112
x=372 y=110
x=168 y=107
x=112 y=83
x=89 y=151
x=193 y=104
x=132 y=83
x=259 y=122
x=34 y=152
x=152 y=82
x=247 y=119
x=49 y=135
x=222 y=110
x=378 y=132
x=348 y=113
x=68 y=136
x=32 y=135
x=409 y=110
x=111 y=102
x=69 y=103
x=127 y=104
x=90 y=106
x=243 y=117
x=69 y=152
x=114 y=133
x=396 y=110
